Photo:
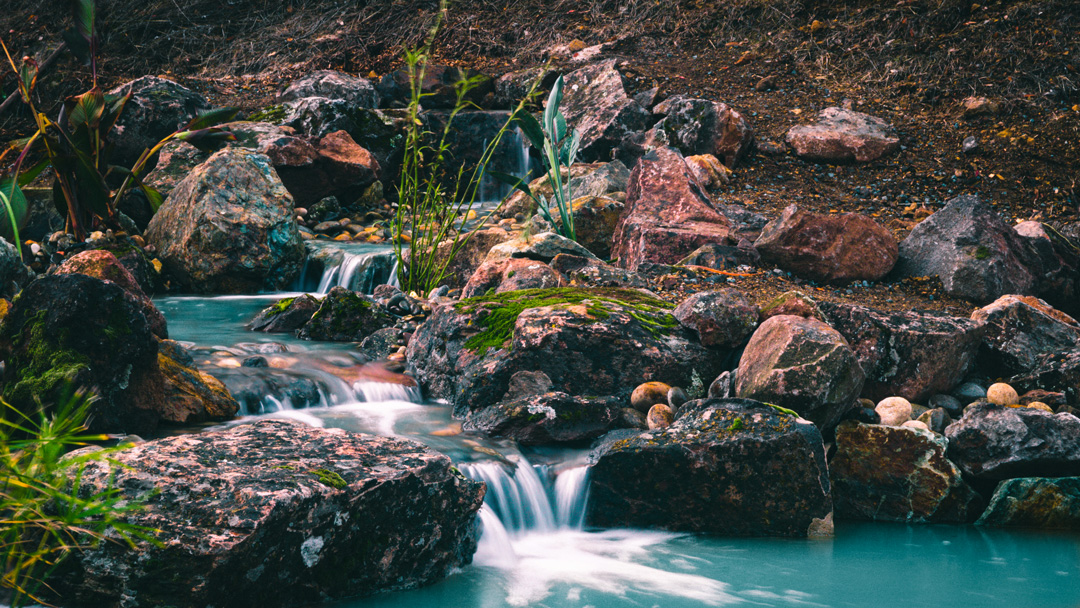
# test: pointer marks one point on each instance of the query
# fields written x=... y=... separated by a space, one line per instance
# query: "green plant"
x=45 y=513
x=559 y=147
x=76 y=143
x=430 y=214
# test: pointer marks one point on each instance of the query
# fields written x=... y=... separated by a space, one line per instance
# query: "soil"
x=911 y=62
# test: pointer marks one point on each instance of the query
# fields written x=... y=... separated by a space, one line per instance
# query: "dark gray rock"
x=157 y=108
x=1021 y=329
x=345 y=316
x=999 y=442
x=381 y=343
x=548 y=418
x=13 y=273
x=1035 y=502
x=277 y=513
x=286 y=315
x=334 y=85
x=731 y=467
x=700 y=126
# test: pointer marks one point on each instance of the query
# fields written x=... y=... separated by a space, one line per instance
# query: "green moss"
x=284 y=467
x=783 y=410
x=981 y=253
x=737 y=425
x=46 y=364
x=272 y=114
x=503 y=309
x=329 y=478
x=279 y=307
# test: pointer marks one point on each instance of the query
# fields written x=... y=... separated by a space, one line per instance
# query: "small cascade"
x=384 y=391
x=358 y=267
x=571 y=496
x=514 y=160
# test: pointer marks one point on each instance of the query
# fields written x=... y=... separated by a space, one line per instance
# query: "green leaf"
x=206 y=139
x=79 y=46
x=212 y=118
x=531 y=128
x=552 y=108
x=87 y=109
x=114 y=106
x=15 y=210
x=152 y=195
x=83 y=15
x=92 y=192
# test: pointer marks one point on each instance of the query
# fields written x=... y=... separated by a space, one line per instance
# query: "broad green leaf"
x=15 y=208
x=531 y=128
x=87 y=109
x=83 y=15
x=552 y=108
x=152 y=195
x=27 y=78
x=92 y=192
x=29 y=175
x=212 y=118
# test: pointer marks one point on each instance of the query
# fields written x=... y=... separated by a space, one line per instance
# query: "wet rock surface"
x=548 y=418
x=276 y=513
x=734 y=467
x=1035 y=502
x=345 y=316
x=884 y=473
x=999 y=442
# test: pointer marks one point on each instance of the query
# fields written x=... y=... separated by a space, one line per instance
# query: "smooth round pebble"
x=1002 y=394
x=649 y=394
x=894 y=411
x=1039 y=405
x=632 y=419
x=950 y=404
x=968 y=392
x=916 y=424
x=936 y=419
x=676 y=397
x=660 y=417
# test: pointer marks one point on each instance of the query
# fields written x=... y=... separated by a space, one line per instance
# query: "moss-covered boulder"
x=277 y=513
x=589 y=342
x=726 y=466
x=93 y=332
x=286 y=315
x=345 y=316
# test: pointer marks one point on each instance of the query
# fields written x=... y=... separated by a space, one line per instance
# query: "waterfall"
x=355 y=266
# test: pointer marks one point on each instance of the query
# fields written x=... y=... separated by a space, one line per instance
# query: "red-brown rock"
x=829 y=248
x=843 y=136
x=103 y=265
x=510 y=274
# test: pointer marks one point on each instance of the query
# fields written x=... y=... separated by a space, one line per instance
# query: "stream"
x=535 y=551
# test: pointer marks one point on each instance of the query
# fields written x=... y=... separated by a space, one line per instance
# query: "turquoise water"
x=864 y=565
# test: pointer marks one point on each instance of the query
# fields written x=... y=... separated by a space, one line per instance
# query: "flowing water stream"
x=535 y=551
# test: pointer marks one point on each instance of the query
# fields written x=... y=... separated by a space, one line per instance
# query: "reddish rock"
x=909 y=354
x=666 y=216
x=509 y=274
x=344 y=162
x=801 y=364
x=708 y=170
x=1019 y=330
x=469 y=256
x=833 y=248
x=596 y=104
x=842 y=136
x=722 y=318
x=792 y=303
x=700 y=126
x=103 y=265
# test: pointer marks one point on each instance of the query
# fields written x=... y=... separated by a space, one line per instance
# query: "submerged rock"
x=885 y=473
x=999 y=442
x=1035 y=502
x=277 y=513
x=729 y=467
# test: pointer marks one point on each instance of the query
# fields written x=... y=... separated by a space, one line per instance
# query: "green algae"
x=46 y=365
x=279 y=307
x=274 y=115
x=329 y=478
x=503 y=310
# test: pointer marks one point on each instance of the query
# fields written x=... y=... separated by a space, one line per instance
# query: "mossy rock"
x=345 y=316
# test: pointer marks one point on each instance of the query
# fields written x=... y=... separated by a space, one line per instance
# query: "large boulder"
x=666 y=216
x=1059 y=264
x=510 y=274
x=910 y=354
x=977 y=255
x=841 y=135
x=103 y=265
x=1035 y=502
x=595 y=102
x=229 y=227
x=726 y=466
x=1001 y=442
x=332 y=84
x=800 y=364
x=345 y=316
x=589 y=341
x=576 y=270
x=157 y=108
x=700 y=126
x=1021 y=329
x=886 y=473
x=833 y=248
x=286 y=315
x=276 y=513
x=93 y=333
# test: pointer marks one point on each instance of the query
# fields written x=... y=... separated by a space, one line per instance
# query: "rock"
x=841 y=135
x=586 y=180
x=510 y=274
x=541 y=247
x=1058 y=265
x=1035 y=502
x=666 y=215
x=1021 y=329
x=576 y=271
x=1039 y=405
x=723 y=318
x=910 y=354
x=157 y=108
x=512 y=87
x=191 y=396
x=588 y=341
x=345 y=316
x=103 y=265
x=947 y=403
x=470 y=256
x=660 y=416
x=794 y=303
x=721 y=257
x=734 y=468
x=92 y=332
x=968 y=392
x=865 y=415
x=596 y=104
x=833 y=248
x=995 y=442
x=894 y=411
x=276 y=513
x=886 y=473
x=970 y=145
x=936 y=420
x=973 y=107
x=344 y=169
x=699 y=126
x=977 y=255
x=595 y=218
x=438 y=88
x=229 y=227
x=800 y=364
x=286 y=315
x=548 y=418
x=382 y=343
x=359 y=92
x=708 y=171
x=676 y=397
x=1054 y=372
x=1002 y=394
x=916 y=424
x=647 y=395
x=723 y=387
